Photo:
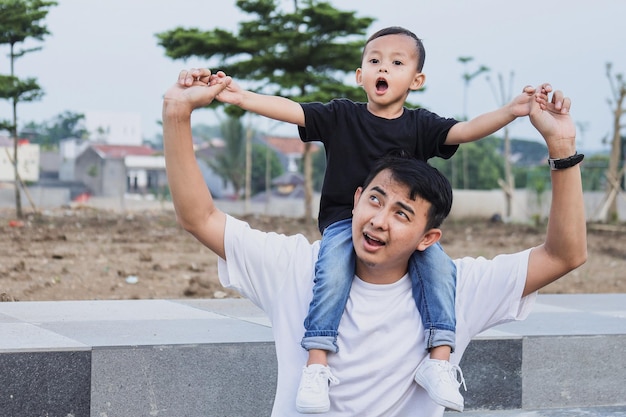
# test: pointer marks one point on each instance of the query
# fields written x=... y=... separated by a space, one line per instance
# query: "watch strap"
x=563 y=163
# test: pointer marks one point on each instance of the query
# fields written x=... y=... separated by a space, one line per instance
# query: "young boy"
x=354 y=135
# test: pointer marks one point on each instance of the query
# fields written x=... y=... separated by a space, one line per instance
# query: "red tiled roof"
x=288 y=146
x=120 y=151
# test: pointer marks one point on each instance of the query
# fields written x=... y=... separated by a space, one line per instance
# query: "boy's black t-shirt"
x=354 y=139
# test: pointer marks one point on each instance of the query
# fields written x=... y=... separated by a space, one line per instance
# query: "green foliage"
x=303 y=55
x=261 y=155
x=319 y=168
x=229 y=163
x=484 y=165
x=20 y=20
x=63 y=126
x=92 y=171
x=594 y=169
x=26 y=90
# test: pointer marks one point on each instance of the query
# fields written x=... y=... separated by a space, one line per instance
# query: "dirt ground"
x=90 y=254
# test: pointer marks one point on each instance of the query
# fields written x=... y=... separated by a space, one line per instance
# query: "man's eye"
x=374 y=199
x=403 y=214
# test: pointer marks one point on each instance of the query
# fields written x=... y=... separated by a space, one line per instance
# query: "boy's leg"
x=433 y=276
x=334 y=272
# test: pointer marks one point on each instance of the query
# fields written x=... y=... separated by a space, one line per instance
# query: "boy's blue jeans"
x=433 y=277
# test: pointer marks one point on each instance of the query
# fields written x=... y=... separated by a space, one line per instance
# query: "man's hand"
x=193 y=90
x=522 y=104
x=552 y=119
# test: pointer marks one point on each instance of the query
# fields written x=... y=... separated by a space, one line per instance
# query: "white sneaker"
x=312 y=395
x=440 y=380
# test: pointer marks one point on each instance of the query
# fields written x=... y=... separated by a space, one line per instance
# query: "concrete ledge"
x=216 y=358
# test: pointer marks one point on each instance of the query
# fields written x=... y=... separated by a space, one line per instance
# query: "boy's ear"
x=431 y=237
x=359 y=77
x=418 y=81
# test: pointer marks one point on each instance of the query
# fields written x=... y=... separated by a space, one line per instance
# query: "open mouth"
x=372 y=241
x=381 y=85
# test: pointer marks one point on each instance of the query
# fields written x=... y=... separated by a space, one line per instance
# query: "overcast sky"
x=102 y=55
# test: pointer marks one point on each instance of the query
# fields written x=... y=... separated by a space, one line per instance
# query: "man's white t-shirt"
x=381 y=336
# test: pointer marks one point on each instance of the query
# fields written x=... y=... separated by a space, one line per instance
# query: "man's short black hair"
x=423 y=180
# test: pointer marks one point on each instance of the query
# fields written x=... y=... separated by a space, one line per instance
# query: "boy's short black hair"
x=398 y=30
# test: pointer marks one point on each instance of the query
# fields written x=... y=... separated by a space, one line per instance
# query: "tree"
x=20 y=20
x=228 y=162
x=614 y=174
x=508 y=183
x=467 y=79
x=484 y=167
x=303 y=54
x=265 y=166
x=49 y=134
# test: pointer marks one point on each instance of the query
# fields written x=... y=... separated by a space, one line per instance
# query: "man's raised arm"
x=565 y=247
x=195 y=210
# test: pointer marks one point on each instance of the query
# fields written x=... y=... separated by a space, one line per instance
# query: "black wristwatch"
x=564 y=163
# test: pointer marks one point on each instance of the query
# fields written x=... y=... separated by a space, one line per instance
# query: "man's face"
x=387 y=227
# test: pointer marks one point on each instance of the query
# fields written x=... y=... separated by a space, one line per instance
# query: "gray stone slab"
x=161 y=332
x=574 y=371
x=574 y=323
x=7 y=319
x=99 y=310
x=45 y=384
x=239 y=308
x=492 y=370
x=19 y=337
x=619 y=411
x=209 y=380
x=587 y=302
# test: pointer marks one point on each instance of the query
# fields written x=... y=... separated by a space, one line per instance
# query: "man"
x=397 y=211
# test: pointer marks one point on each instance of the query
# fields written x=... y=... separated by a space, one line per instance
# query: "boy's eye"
x=374 y=61
x=397 y=62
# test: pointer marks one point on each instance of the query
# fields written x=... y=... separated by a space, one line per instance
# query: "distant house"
x=112 y=170
x=219 y=187
x=289 y=150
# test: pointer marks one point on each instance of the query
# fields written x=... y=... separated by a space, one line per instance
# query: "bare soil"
x=90 y=254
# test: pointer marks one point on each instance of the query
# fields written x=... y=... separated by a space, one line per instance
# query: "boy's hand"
x=232 y=94
x=192 y=90
x=522 y=104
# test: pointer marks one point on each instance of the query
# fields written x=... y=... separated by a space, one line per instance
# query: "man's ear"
x=359 y=77
x=431 y=237
x=357 y=196
x=418 y=81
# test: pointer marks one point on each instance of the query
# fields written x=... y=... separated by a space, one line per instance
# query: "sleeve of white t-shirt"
x=489 y=292
x=260 y=264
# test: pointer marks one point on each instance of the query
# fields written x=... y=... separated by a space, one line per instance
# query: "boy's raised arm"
x=273 y=107
x=488 y=123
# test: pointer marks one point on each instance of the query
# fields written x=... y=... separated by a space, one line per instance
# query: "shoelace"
x=317 y=377
x=455 y=371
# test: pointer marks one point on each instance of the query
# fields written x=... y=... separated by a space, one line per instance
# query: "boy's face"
x=389 y=69
x=387 y=227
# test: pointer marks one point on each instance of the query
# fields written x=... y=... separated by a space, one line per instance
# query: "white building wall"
x=114 y=128
x=27 y=162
